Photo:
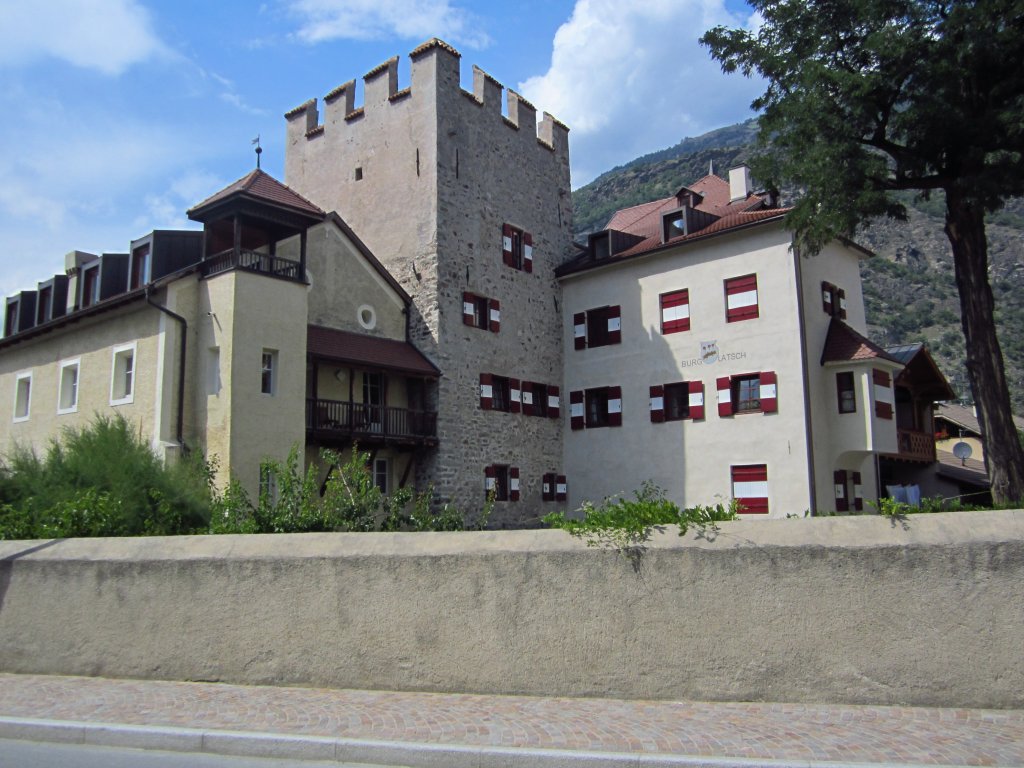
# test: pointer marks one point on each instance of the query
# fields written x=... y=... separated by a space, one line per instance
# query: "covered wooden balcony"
x=916 y=389
x=369 y=425
x=915 y=445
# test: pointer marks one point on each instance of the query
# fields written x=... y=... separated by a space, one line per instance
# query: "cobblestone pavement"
x=788 y=732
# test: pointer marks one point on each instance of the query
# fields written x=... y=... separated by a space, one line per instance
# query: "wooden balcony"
x=341 y=421
x=915 y=446
x=252 y=261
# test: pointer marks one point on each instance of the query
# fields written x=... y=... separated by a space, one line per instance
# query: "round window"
x=367 y=317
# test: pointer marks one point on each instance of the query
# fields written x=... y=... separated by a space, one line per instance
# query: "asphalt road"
x=33 y=754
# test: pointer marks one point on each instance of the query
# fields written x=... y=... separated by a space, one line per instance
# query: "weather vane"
x=259 y=150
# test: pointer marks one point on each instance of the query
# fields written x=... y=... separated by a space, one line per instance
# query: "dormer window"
x=600 y=245
x=139 y=267
x=90 y=285
x=673 y=224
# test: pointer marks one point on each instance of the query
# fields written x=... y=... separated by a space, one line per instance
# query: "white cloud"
x=631 y=78
x=323 y=20
x=105 y=35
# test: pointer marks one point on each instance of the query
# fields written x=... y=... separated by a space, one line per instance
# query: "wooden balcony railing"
x=915 y=445
x=253 y=261
x=369 y=423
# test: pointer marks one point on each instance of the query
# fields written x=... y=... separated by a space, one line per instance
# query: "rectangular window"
x=741 y=298
x=846 y=393
x=597 y=327
x=750 y=488
x=677 y=401
x=44 y=309
x=675 y=311
x=833 y=300
x=22 y=396
x=11 y=319
x=380 y=474
x=516 y=248
x=496 y=481
x=122 y=378
x=67 y=401
x=747 y=393
x=268 y=372
x=603 y=407
x=481 y=312
x=139 y=267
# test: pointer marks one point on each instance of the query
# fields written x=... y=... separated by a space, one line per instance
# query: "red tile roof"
x=348 y=347
x=261 y=186
x=845 y=345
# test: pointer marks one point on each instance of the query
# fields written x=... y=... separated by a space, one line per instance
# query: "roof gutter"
x=181 y=365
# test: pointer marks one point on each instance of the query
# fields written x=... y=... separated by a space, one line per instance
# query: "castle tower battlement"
x=434 y=178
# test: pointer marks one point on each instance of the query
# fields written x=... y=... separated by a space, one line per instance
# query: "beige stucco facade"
x=800 y=444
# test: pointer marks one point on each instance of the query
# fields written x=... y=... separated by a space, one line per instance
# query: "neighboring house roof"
x=259 y=186
x=970 y=471
x=373 y=351
x=966 y=419
x=845 y=345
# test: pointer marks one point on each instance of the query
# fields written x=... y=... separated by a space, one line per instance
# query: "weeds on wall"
x=626 y=525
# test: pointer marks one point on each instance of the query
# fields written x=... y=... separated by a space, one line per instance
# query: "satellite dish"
x=962 y=451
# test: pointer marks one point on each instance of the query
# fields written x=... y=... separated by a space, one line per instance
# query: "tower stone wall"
x=429 y=176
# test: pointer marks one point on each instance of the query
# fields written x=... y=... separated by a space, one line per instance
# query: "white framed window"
x=22 y=396
x=67 y=398
x=122 y=377
x=268 y=372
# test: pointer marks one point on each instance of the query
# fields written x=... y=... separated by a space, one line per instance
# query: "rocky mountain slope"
x=909 y=290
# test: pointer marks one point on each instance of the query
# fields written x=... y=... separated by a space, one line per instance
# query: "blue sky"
x=121 y=114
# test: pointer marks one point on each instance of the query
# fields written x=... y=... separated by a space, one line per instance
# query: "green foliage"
x=626 y=525
x=101 y=480
x=347 y=501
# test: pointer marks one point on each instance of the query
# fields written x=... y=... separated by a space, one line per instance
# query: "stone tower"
x=470 y=210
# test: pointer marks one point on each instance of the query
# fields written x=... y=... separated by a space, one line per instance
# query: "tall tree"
x=866 y=98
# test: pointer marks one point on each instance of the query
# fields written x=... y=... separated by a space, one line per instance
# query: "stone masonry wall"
x=426 y=176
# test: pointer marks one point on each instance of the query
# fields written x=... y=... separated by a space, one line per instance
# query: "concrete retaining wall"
x=859 y=610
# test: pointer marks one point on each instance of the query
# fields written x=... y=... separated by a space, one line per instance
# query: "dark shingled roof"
x=372 y=351
x=261 y=186
x=844 y=345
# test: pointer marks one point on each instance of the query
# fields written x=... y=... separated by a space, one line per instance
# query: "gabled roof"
x=920 y=373
x=372 y=351
x=965 y=418
x=845 y=345
x=261 y=187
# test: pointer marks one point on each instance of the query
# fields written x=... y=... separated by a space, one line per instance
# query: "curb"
x=407 y=754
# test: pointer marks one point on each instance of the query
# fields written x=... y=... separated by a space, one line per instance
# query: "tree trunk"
x=1004 y=458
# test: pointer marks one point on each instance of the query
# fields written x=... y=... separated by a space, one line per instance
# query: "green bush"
x=101 y=480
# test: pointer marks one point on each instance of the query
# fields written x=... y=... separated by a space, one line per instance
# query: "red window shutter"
x=514 y=396
x=883 y=404
x=527 y=252
x=489 y=481
x=486 y=391
x=513 y=483
x=554 y=407
x=547 y=492
x=858 y=499
x=494 y=314
x=842 y=304
x=826 y=297
x=696 y=400
x=657 y=403
x=576 y=418
x=750 y=488
x=741 y=300
x=561 y=488
x=768 y=393
x=468 y=308
x=506 y=245
x=579 y=330
x=614 y=406
x=614 y=325
x=724 y=385
x=675 y=311
x=842 y=501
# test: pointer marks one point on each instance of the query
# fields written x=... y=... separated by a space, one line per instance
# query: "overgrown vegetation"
x=626 y=525
x=103 y=480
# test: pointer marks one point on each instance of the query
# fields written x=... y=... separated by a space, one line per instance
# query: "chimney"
x=739 y=182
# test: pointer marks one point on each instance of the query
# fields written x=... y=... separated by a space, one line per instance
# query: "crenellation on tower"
x=380 y=84
x=486 y=89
